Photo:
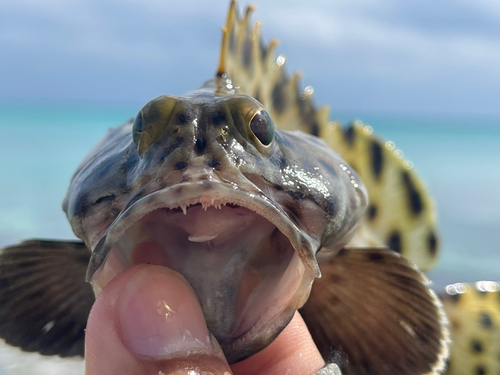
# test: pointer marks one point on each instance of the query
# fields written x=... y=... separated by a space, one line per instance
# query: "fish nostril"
x=200 y=145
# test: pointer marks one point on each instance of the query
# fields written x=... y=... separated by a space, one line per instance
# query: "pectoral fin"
x=373 y=314
x=44 y=299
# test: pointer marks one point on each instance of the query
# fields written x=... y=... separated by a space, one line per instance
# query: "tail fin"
x=44 y=299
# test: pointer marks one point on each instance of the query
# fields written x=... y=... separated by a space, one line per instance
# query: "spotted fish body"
x=230 y=185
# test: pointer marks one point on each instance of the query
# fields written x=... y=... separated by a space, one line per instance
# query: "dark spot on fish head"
x=179 y=190
x=454 y=297
x=218 y=118
x=394 y=242
x=181 y=118
x=208 y=184
x=180 y=165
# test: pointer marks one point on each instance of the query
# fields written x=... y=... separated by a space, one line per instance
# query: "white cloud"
x=342 y=30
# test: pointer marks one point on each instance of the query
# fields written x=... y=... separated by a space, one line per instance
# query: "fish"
x=265 y=205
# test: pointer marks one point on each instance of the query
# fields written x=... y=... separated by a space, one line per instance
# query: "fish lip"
x=210 y=192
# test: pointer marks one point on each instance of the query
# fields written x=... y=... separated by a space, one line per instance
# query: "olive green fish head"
x=205 y=184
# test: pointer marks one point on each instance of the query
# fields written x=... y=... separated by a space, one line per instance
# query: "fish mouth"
x=249 y=264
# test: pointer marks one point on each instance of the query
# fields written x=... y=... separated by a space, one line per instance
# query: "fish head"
x=204 y=184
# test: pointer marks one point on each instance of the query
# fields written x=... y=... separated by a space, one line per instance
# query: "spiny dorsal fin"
x=474 y=314
x=401 y=215
x=256 y=71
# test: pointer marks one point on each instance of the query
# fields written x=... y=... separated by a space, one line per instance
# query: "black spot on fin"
x=44 y=299
x=373 y=312
x=474 y=314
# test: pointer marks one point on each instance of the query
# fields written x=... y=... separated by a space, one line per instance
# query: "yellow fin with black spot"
x=474 y=314
x=401 y=214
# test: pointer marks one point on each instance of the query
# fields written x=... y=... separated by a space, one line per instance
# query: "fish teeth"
x=184 y=209
x=202 y=237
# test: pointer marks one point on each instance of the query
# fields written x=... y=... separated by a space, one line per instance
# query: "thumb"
x=147 y=320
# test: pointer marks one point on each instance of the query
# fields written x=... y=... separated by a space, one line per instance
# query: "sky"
x=360 y=55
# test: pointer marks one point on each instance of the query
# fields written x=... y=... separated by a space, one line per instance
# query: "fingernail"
x=160 y=317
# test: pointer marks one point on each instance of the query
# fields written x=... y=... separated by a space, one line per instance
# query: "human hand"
x=147 y=320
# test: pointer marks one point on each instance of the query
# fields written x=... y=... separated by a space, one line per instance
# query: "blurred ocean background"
x=425 y=75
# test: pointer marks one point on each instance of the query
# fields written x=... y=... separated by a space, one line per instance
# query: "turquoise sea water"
x=459 y=158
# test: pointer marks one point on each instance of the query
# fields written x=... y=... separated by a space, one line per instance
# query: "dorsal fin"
x=402 y=215
x=256 y=71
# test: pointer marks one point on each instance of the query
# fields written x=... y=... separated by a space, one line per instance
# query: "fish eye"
x=262 y=127
x=152 y=120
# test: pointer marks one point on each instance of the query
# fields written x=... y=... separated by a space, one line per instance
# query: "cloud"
x=451 y=44
x=344 y=31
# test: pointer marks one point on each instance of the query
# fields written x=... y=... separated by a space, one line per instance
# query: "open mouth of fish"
x=248 y=262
